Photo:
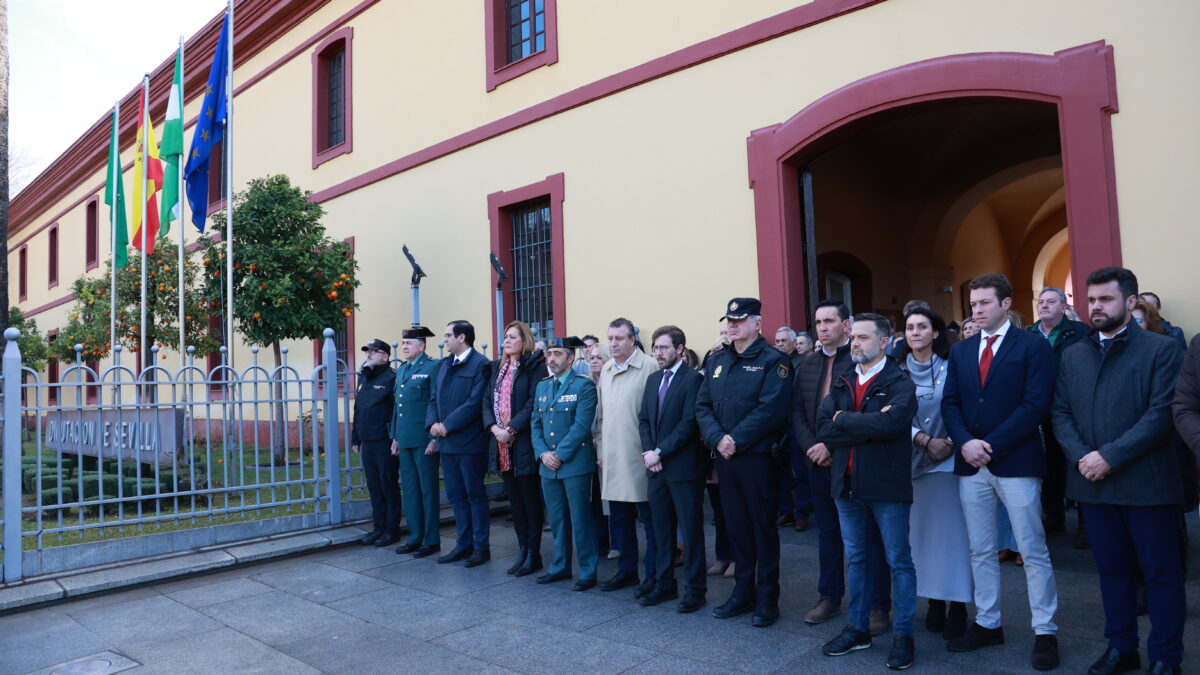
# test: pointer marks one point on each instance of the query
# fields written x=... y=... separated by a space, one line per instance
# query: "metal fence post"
x=12 y=457
x=332 y=447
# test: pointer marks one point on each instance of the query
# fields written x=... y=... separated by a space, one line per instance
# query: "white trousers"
x=981 y=495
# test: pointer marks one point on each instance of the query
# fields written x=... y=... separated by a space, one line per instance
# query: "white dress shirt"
x=984 y=335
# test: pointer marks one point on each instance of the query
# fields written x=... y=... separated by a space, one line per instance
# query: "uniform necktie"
x=985 y=361
x=662 y=392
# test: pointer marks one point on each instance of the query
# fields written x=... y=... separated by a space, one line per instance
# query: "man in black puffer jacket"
x=369 y=435
x=867 y=423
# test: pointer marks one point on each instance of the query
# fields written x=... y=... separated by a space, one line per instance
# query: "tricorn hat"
x=416 y=333
x=571 y=342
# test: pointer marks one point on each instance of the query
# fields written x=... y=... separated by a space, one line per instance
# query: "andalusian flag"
x=147 y=148
x=172 y=147
x=114 y=196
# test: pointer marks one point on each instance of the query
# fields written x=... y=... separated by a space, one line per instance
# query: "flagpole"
x=144 y=149
x=228 y=158
x=115 y=174
x=180 y=199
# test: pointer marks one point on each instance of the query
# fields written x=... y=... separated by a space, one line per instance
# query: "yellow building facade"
x=653 y=159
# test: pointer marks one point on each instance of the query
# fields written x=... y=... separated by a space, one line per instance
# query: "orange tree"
x=88 y=321
x=290 y=280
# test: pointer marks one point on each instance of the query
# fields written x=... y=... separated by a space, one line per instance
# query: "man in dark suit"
x=1061 y=333
x=1112 y=414
x=453 y=417
x=676 y=465
x=998 y=389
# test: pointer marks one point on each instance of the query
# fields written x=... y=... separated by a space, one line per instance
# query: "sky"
x=70 y=60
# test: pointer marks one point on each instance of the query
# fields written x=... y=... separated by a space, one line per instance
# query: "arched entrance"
x=1023 y=136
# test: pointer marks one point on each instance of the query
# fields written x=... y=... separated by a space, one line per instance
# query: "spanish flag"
x=147 y=150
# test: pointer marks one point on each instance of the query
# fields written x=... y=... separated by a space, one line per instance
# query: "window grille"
x=526 y=28
x=531 y=265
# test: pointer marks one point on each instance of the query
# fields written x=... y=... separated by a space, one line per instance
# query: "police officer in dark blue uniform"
x=369 y=435
x=742 y=410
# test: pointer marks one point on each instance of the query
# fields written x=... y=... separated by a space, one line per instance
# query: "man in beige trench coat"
x=623 y=475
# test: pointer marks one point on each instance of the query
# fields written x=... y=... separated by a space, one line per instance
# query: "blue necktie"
x=662 y=393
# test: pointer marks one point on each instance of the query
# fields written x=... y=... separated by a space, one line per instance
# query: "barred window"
x=526 y=28
x=336 y=67
x=531 y=264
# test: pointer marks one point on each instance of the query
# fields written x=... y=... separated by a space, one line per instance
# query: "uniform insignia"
x=717 y=372
x=420 y=375
x=733 y=306
x=379 y=386
x=568 y=398
x=782 y=372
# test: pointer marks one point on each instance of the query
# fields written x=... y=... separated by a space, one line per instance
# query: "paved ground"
x=361 y=609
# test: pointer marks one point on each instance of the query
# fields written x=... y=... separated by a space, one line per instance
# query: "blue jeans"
x=892 y=519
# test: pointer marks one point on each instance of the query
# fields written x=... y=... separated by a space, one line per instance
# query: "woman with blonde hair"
x=507 y=414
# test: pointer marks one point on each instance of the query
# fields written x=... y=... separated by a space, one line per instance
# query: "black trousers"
x=750 y=497
x=382 y=471
x=679 y=506
x=525 y=498
x=1054 y=485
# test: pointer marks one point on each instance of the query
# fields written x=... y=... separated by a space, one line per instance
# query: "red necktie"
x=985 y=361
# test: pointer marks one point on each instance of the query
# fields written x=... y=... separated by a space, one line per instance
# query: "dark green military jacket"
x=413 y=382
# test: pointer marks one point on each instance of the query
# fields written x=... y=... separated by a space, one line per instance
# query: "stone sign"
x=133 y=434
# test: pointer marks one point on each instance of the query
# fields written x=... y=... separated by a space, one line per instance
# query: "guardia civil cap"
x=565 y=343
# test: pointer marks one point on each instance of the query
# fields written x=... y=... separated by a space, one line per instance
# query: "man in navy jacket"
x=453 y=417
x=999 y=384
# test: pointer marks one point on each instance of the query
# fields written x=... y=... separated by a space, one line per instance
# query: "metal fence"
x=108 y=454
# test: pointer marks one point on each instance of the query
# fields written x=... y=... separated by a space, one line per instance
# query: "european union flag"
x=210 y=129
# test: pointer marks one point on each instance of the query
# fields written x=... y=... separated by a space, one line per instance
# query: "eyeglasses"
x=376 y=351
x=661 y=348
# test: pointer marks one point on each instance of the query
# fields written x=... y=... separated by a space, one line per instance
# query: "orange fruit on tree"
x=257 y=315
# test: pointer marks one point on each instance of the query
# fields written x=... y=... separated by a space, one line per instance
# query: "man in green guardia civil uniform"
x=416 y=448
x=563 y=411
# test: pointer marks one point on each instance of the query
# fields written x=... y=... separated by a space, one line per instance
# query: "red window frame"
x=91 y=248
x=338 y=41
x=52 y=256
x=23 y=273
x=500 y=223
x=499 y=68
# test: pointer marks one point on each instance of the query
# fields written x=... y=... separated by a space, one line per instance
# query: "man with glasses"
x=369 y=435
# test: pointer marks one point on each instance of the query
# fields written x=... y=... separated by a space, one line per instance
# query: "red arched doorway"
x=1080 y=81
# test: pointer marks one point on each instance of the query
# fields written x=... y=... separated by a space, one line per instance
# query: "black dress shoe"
x=765 y=616
x=583 y=584
x=645 y=588
x=658 y=596
x=518 y=562
x=478 y=558
x=426 y=551
x=551 y=578
x=956 y=621
x=407 y=549
x=532 y=563
x=732 y=607
x=455 y=555
x=1045 y=652
x=689 y=604
x=370 y=538
x=619 y=581
x=1160 y=668
x=977 y=636
x=1113 y=661
x=386 y=540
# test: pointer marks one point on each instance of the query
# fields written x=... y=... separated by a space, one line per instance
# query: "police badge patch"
x=782 y=372
x=717 y=372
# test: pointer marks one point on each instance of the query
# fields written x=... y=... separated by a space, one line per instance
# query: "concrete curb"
x=53 y=589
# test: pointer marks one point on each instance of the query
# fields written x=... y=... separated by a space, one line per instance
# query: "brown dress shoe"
x=824 y=610
x=880 y=622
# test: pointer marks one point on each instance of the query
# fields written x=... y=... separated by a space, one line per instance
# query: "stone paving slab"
x=360 y=609
x=276 y=548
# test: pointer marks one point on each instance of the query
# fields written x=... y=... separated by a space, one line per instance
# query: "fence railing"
x=113 y=453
